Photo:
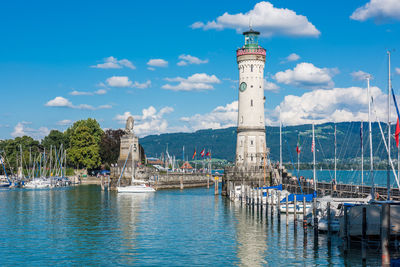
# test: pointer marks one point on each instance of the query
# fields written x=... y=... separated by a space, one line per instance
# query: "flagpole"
x=335 y=154
x=370 y=141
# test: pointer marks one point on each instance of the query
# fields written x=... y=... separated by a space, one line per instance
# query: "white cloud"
x=150 y=68
x=113 y=63
x=60 y=101
x=220 y=117
x=144 y=85
x=359 y=75
x=332 y=105
x=97 y=92
x=119 y=81
x=270 y=86
x=157 y=62
x=267 y=19
x=307 y=75
x=64 y=122
x=291 y=57
x=198 y=81
x=149 y=122
x=380 y=10
x=21 y=130
x=188 y=59
x=397 y=71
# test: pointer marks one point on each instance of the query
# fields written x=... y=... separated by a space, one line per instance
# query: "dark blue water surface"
x=84 y=226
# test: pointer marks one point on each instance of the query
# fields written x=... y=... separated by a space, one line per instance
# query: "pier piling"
x=295 y=209
x=304 y=213
x=385 y=234
x=287 y=209
x=364 y=236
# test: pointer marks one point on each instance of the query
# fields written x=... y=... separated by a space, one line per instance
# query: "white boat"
x=38 y=183
x=299 y=208
x=140 y=188
x=137 y=186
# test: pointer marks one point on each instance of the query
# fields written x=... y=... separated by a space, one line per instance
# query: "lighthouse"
x=251 y=143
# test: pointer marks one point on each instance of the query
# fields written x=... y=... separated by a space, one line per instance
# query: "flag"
x=312 y=146
x=298 y=148
x=396 y=135
x=208 y=154
x=202 y=153
x=194 y=154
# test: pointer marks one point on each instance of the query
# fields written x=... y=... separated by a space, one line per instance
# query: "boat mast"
x=370 y=141
x=133 y=166
x=280 y=142
x=389 y=135
x=335 y=153
x=313 y=150
x=362 y=157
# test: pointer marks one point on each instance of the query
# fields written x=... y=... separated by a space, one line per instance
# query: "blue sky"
x=172 y=64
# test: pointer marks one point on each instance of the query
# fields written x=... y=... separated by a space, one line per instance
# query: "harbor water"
x=83 y=226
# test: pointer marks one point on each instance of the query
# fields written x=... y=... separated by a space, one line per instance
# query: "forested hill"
x=222 y=142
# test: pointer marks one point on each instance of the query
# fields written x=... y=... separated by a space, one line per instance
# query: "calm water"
x=84 y=226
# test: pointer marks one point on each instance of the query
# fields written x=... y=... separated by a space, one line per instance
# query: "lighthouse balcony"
x=250 y=51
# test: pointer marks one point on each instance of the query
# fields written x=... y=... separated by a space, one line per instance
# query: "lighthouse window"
x=251 y=102
x=251 y=68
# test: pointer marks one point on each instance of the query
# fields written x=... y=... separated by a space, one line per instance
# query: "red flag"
x=208 y=154
x=312 y=146
x=396 y=135
x=298 y=147
x=194 y=154
x=202 y=152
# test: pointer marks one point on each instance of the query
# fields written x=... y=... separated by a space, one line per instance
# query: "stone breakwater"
x=167 y=180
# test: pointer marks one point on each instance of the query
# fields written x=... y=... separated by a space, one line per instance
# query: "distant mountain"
x=222 y=142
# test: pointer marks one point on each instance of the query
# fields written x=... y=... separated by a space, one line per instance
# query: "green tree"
x=109 y=145
x=84 y=148
x=55 y=139
x=94 y=129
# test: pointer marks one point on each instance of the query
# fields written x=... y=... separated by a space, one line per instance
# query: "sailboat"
x=137 y=186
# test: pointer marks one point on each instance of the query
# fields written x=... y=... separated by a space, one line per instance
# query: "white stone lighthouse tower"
x=250 y=146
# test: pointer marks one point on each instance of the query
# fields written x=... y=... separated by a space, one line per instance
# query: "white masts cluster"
x=313 y=150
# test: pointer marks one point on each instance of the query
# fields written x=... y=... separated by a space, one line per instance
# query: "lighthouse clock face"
x=242 y=87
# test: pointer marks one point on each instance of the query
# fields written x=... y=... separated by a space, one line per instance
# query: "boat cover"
x=299 y=197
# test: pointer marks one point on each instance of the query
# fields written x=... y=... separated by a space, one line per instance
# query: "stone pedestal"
x=126 y=142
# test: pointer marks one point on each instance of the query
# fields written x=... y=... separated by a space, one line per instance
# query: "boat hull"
x=135 y=189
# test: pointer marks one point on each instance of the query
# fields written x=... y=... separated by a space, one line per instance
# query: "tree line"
x=87 y=146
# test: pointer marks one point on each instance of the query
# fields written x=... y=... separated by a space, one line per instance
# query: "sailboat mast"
x=133 y=165
x=313 y=150
x=389 y=134
x=370 y=141
x=362 y=157
x=280 y=142
x=335 y=153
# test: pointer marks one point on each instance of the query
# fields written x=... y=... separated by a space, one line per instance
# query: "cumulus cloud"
x=359 y=75
x=379 y=10
x=64 y=122
x=113 y=63
x=60 y=101
x=291 y=57
x=21 y=129
x=267 y=19
x=149 y=122
x=306 y=75
x=97 y=92
x=198 y=81
x=157 y=63
x=270 y=86
x=144 y=85
x=220 y=117
x=188 y=59
x=119 y=81
x=332 y=105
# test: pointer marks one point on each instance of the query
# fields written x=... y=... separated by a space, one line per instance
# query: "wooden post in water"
x=181 y=182
x=287 y=209
x=208 y=181
x=295 y=208
x=364 y=236
x=216 y=188
x=315 y=216
x=329 y=218
x=279 y=205
x=267 y=197
x=346 y=230
x=304 y=213
x=385 y=234
x=258 y=196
